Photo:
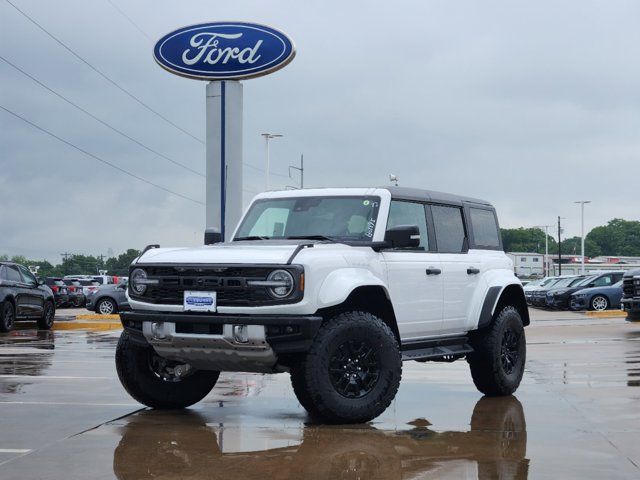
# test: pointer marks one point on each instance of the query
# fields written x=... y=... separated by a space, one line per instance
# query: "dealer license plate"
x=199 y=301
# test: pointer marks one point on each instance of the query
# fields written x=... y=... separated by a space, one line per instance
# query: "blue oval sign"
x=224 y=51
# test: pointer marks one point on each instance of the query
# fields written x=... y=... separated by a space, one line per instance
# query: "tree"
x=618 y=237
x=526 y=240
x=120 y=265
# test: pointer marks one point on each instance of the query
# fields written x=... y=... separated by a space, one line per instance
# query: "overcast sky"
x=531 y=105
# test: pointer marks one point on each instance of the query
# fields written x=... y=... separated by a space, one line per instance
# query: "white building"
x=527 y=264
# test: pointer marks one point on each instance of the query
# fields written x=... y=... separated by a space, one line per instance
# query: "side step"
x=442 y=349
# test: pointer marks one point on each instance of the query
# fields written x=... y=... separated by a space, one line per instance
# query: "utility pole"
x=582 y=202
x=300 y=169
x=559 y=248
x=267 y=137
x=65 y=256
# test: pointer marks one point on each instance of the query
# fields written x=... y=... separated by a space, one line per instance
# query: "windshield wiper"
x=251 y=237
x=311 y=237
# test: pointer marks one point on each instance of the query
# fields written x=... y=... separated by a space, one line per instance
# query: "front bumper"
x=579 y=303
x=207 y=341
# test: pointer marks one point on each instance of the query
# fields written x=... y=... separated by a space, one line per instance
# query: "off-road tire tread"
x=485 y=366
x=139 y=382
x=316 y=358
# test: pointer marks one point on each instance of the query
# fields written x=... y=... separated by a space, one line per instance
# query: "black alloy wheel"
x=354 y=368
x=510 y=350
x=7 y=317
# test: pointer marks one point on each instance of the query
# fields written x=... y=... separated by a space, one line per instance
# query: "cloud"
x=529 y=105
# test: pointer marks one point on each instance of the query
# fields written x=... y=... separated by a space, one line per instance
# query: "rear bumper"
x=208 y=341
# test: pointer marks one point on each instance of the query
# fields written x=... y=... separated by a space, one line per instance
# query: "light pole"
x=582 y=202
x=546 y=247
x=267 y=137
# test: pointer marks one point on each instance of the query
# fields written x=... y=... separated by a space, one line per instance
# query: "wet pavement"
x=63 y=415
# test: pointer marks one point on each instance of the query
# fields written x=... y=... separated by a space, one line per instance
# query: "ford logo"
x=224 y=51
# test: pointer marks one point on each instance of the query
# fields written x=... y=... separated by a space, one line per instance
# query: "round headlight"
x=285 y=281
x=136 y=275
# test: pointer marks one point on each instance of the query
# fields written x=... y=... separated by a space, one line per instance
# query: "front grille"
x=631 y=287
x=229 y=283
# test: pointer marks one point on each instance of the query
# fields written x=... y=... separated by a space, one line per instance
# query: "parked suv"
x=336 y=286
x=59 y=289
x=76 y=295
x=23 y=297
x=631 y=295
x=108 y=299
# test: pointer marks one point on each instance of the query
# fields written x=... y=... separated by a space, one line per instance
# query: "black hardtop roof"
x=418 y=194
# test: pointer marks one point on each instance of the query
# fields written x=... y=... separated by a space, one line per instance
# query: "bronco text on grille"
x=231 y=283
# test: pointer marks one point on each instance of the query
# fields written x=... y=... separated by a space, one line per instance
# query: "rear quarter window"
x=485 y=228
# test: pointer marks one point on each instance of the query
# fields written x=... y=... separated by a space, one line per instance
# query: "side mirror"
x=212 y=236
x=403 y=236
x=40 y=282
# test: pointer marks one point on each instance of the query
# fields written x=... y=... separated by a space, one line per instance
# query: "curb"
x=96 y=316
x=606 y=313
x=86 y=325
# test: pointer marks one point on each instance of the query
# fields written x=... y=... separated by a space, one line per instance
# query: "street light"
x=267 y=137
x=582 y=202
x=546 y=247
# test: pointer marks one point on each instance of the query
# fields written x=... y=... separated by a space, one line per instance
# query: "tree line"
x=617 y=238
x=80 y=264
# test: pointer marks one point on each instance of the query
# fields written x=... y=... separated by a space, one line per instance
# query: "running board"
x=445 y=349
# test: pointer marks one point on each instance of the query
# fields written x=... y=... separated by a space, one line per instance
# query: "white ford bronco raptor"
x=336 y=286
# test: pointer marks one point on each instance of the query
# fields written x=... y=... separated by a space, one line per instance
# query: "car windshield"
x=563 y=282
x=548 y=281
x=338 y=218
x=584 y=281
x=577 y=281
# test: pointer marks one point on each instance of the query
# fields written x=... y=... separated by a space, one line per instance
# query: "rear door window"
x=485 y=228
x=12 y=273
x=449 y=228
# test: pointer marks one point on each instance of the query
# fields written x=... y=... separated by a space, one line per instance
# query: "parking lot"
x=64 y=414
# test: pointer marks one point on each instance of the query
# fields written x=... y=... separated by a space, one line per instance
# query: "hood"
x=238 y=252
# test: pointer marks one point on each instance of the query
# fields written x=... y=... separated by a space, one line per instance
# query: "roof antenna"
x=393 y=178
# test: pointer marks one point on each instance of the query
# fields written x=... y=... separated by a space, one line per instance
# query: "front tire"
x=138 y=371
x=106 y=306
x=497 y=363
x=48 y=314
x=7 y=316
x=352 y=372
x=599 y=303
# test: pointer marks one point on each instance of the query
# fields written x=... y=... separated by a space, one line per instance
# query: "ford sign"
x=224 y=51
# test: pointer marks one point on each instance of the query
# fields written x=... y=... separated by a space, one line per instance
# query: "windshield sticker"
x=366 y=203
x=371 y=226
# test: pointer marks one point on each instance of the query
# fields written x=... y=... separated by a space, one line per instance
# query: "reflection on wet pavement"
x=64 y=415
x=169 y=445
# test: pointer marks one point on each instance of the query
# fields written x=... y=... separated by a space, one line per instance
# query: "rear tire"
x=599 y=303
x=7 y=316
x=363 y=347
x=134 y=366
x=48 y=315
x=497 y=363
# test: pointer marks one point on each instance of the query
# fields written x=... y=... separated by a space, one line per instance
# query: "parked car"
x=108 y=299
x=88 y=282
x=76 y=295
x=559 y=295
x=597 y=298
x=631 y=295
x=59 y=289
x=23 y=297
x=538 y=296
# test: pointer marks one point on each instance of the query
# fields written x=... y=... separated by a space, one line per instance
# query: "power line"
x=59 y=95
x=103 y=75
x=130 y=20
x=98 y=158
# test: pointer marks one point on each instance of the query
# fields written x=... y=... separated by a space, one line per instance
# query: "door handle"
x=433 y=271
x=473 y=271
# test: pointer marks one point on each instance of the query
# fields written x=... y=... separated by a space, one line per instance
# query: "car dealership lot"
x=63 y=414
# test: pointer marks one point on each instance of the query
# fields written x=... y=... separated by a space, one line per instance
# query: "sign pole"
x=223 y=155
